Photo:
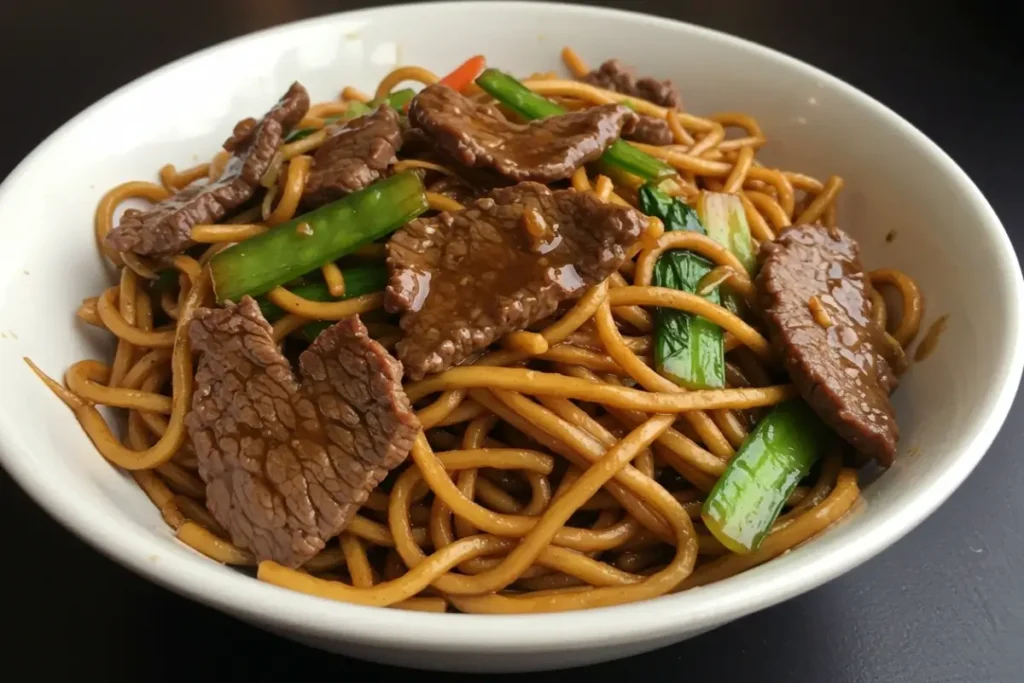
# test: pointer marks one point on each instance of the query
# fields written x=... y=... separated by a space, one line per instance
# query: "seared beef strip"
x=356 y=154
x=614 y=75
x=287 y=463
x=651 y=131
x=240 y=132
x=836 y=360
x=544 y=150
x=165 y=229
x=418 y=145
x=463 y=280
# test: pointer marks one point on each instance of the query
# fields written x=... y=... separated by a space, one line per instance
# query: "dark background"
x=944 y=604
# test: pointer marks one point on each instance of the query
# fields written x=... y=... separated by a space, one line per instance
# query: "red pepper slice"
x=463 y=75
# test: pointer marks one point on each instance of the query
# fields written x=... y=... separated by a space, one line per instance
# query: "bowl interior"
x=949 y=407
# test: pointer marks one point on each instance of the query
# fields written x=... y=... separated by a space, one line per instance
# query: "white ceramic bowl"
x=949 y=407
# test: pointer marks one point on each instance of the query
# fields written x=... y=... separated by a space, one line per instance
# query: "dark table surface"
x=945 y=604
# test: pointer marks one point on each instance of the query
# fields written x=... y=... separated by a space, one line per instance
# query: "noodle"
x=216 y=234
x=182 y=481
x=580 y=181
x=530 y=343
x=320 y=310
x=913 y=303
x=407 y=164
x=684 y=301
x=334 y=278
x=354 y=94
x=740 y=120
x=761 y=207
x=574 y=355
x=127 y=308
x=109 y=446
x=87 y=379
x=737 y=143
x=822 y=201
x=679 y=132
x=87 y=312
x=574 y=62
x=709 y=142
x=439 y=202
x=142 y=267
x=693 y=241
x=298 y=170
x=602 y=96
x=197 y=513
x=404 y=73
x=162 y=497
x=603 y=188
x=614 y=396
x=739 y=170
x=174 y=180
x=218 y=549
x=557 y=469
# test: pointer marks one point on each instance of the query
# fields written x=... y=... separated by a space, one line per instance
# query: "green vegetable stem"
x=725 y=219
x=747 y=499
x=688 y=349
x=307 y=242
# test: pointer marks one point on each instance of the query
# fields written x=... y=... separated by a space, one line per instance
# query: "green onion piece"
x=307 y=242
x=726 y=222
x=673 y=212
x=747 y=499
x=166 y=281
x=688 y=349
x=517 y=96
x=397 y=99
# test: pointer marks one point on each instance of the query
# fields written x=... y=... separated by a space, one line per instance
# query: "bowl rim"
x=204 y=581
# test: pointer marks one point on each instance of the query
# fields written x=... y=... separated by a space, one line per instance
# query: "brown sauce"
x=931 y=339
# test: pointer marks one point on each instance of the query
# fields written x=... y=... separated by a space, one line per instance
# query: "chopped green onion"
x=748 y=498
x=725 y=220
x=166 y=281
x=397 y=99
x=688 y=349
x=307 y=242
x=674 y=213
